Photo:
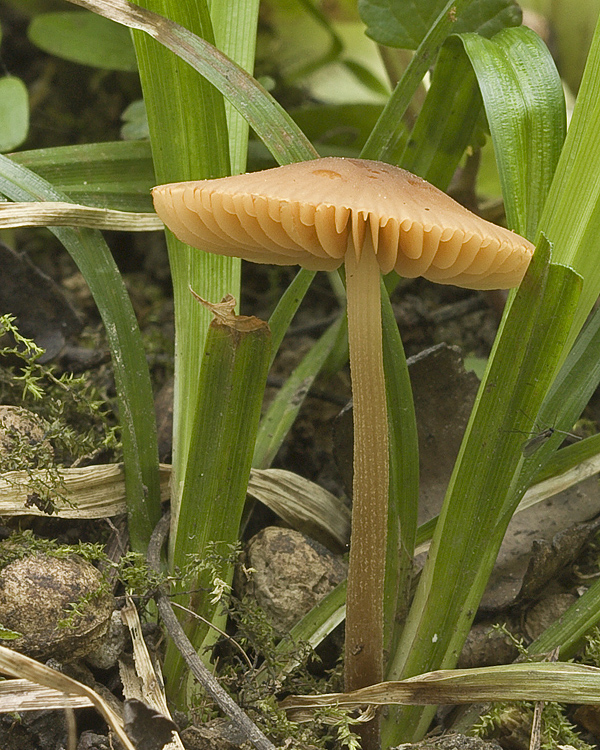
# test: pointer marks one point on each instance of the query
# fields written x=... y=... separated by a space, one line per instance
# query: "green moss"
x=77 y=420
x=512 y=724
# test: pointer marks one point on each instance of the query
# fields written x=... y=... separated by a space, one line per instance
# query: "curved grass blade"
x=116 y=174
x=484 y=489
x=136 y=406
x=386 y=141
x=284 y=409
x=268 y=119
x=525 y=106
x=571 y=217
x=508 y=682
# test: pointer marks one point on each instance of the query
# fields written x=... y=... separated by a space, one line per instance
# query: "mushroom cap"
x=309 y=213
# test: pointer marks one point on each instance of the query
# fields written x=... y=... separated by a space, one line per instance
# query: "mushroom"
x=374 y=218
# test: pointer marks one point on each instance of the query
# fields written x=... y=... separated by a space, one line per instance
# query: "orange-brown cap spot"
x=310 y=213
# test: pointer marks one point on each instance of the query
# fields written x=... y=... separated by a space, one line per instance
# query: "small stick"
x=222 y=633
x=208 y=682
x=71 y=725
x=535 y=740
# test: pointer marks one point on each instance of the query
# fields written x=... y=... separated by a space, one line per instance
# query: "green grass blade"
x=234 y=25
x=233 y=376
x=516 y=75
x=116 y=174
x=265 y=116
x=188 y=132
x=571 y=218
x=286 y=308
x=575 y=384
x=313 y=628
x=404 y=476
x=571 y=391
x=136 y=406
x=568 y=458
x=437 y=144
x=386 y=141
x=560 y=462
x=567 y=632
x=284 y=409
x=484 y=489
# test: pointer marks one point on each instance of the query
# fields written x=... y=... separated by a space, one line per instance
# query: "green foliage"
x=138 y=578
x=591 y=653
x=263 y=646
x=14 y=113
x=77 y=420
x=24 y=543
x=514 y=721
x=328 y=727
x=78 y=610
x=396 y=23
x=9 y=635
x=84 y=37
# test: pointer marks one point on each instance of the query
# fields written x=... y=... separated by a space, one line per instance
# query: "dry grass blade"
x=86 y=492
x=24 y=695
x=58 y=214
x=554 y=485
x=18 y=665
x=561 y=682
x=303 y=505
x=152 y=688
x=99 y=492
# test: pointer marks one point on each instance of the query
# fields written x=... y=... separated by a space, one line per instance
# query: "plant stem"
x=364 y=618
x=205 y=677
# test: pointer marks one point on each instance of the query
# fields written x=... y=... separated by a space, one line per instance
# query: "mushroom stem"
x=364 y=613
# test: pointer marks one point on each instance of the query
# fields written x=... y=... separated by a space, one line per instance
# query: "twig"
x=208 y=682
x=222 y=633
x=535 y=741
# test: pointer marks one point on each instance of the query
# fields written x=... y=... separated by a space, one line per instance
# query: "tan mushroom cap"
x=306 y=213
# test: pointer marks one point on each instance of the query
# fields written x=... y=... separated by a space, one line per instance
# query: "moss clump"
x=77 y=421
